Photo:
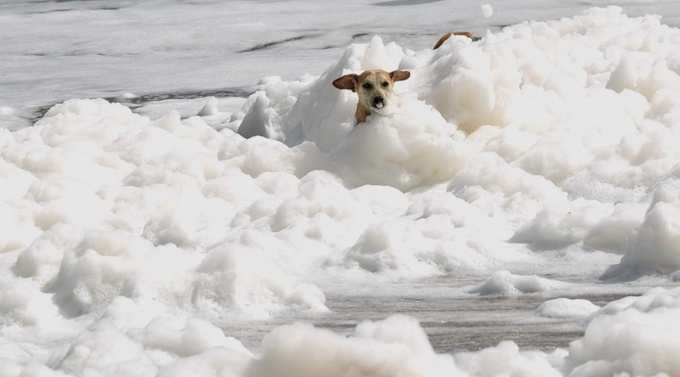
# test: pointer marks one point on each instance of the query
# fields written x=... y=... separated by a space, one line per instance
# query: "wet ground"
x=454 y=321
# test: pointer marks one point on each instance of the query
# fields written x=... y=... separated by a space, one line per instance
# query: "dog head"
x=374 y=87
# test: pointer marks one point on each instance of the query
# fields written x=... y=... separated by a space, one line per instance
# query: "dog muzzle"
x=378 y=103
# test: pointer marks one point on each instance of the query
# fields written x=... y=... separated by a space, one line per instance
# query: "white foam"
x=395 y=346
x=655 y=245
x=505 y=283
x=524 y=151
x=567 y=308
x=636 y=336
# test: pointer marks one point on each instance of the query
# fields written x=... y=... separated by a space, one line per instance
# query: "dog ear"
x=346 y=82
x=400 y=75
x=446 y=37
x=441 y=40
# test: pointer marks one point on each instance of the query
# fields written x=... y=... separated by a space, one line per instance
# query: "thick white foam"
x=536 y=149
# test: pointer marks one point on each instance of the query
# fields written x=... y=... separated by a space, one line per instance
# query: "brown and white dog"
x=374 y=88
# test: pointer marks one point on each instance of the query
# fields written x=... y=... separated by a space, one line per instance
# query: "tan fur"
x=361 y=114
x=374 y=88
x=446 y=37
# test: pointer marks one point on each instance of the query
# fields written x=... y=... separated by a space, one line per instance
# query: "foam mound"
x=504 y=283
x=568 y=122
x=396 y=346
x=550 y=145
x=634 y=336
x=655 y=245
x=411 y=147
x=567 y=308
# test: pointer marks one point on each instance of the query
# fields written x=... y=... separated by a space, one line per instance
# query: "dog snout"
x=378 y=102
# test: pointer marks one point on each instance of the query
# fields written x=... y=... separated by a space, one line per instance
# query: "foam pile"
x=101 y=197
x=634 y=336
x=505 y=283
x=396 y=346
x=571 y=123
x=545 y=146
x=655 y=246
x=567 y=308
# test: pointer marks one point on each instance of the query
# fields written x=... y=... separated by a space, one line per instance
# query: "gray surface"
x=454 y=321
x=57 y=50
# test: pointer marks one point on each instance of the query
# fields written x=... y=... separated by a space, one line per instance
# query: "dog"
x=446 y=37
x=374 y=88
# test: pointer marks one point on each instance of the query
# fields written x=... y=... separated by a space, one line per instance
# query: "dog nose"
x=378 y=102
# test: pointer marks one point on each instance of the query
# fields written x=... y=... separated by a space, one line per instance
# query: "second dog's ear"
x=400 y=75
x=441 y=40
x=446 y=37
x=346 y=82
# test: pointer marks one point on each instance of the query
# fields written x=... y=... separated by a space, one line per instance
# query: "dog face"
x=374 y=87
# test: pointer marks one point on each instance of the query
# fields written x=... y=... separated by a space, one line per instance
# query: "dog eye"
x=385 y=84
x=367 y=86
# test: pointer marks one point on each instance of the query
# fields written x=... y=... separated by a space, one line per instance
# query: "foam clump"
x=504 y=283
x=567 y=308
x=413 y=146
x=654 y=299
x=187 y=338
x=127 y=341
x=240 y=278
x=259 y=120
x=210 y=108
x=634 y=336
x=615 y=232
x=507 y=358
x=21 y=306
x=655 y=245
x=396 y=346
x=114 y=193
